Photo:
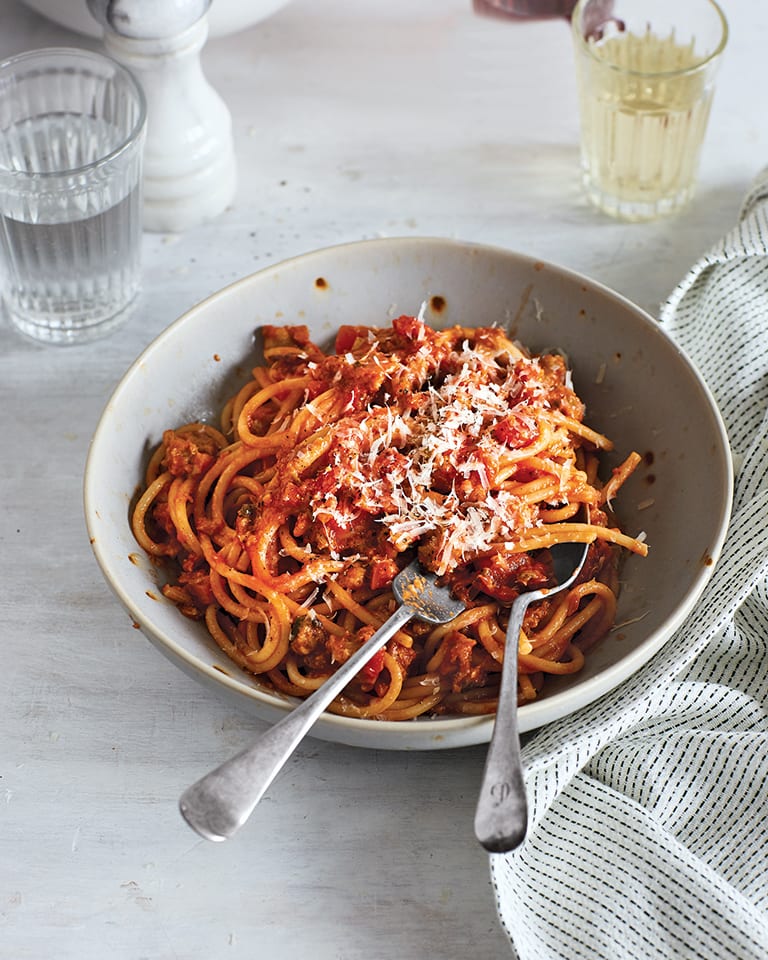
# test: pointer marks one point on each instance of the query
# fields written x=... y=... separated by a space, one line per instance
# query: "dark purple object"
x=531 y=9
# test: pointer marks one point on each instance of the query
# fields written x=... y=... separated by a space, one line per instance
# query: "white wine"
x=644 y=103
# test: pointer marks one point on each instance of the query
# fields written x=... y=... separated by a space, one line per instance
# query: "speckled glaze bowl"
x=638 y=386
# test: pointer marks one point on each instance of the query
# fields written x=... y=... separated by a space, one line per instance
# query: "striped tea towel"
x=649 y=826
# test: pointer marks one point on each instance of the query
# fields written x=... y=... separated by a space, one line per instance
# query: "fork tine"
x=419 y=590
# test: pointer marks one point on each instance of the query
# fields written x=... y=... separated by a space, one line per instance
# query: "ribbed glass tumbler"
x=72 y=128
x=646 y=73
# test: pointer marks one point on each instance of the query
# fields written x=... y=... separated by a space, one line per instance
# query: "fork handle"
x=501 y=817
x=221 y=801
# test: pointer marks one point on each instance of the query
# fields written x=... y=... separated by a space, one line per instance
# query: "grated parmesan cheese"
x=396 y=463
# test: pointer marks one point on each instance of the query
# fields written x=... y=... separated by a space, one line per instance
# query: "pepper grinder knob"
x=189 y=159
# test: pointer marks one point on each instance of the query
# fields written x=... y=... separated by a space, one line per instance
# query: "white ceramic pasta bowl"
x=225 y=16
x=639 y=389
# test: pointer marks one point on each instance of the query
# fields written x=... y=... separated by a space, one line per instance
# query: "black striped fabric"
x=649 y=809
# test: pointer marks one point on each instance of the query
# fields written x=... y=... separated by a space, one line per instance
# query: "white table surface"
x=352 y=120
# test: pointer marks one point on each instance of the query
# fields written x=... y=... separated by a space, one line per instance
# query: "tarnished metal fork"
x=501 y=818
x=221 y=802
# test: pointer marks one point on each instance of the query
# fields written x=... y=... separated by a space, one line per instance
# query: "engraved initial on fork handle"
x=501 y=818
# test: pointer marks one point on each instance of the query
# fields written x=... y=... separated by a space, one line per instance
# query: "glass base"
x=637 y=210
x=66 y=331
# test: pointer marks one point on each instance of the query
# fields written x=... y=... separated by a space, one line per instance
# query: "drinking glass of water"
x=646 y=77
x=72 y=127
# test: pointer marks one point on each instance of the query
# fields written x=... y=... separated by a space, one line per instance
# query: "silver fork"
x=221 y=802
x=501 y=817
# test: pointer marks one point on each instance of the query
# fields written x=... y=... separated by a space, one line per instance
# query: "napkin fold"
x=649 y=809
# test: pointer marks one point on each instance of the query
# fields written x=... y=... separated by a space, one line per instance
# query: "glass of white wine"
x=645 y=72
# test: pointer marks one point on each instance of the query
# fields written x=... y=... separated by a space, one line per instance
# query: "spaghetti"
x=331 y=471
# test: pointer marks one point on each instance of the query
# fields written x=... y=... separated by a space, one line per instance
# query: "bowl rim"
x=458 y=730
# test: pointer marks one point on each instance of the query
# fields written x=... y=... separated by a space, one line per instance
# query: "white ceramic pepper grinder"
x=189 y=160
